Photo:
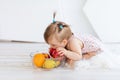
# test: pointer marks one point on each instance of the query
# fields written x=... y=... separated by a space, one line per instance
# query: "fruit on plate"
x=53 y=52
x=38 y=59
x=50 y=63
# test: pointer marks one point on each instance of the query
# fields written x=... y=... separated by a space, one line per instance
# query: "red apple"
x=53 y=52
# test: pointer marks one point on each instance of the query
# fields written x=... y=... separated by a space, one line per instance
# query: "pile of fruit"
x=46 y=61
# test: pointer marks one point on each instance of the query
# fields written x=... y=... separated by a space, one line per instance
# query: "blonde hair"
x=54 y=30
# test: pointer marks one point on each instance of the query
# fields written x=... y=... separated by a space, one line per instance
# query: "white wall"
x=72 y=11
x=26 y=20
x=104 y=16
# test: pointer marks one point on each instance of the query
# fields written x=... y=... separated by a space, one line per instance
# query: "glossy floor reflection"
x=15 y=64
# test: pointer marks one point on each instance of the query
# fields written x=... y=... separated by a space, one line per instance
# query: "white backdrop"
x=104 y=16
x=26 y=20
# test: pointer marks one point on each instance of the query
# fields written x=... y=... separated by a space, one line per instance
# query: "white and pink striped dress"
x=90 y=43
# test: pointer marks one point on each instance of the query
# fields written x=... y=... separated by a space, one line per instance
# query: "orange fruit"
x=38 y=60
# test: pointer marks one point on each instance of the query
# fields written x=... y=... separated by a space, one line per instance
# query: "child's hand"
x=61 y=51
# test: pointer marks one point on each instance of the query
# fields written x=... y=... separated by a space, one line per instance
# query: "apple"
x=53 y=52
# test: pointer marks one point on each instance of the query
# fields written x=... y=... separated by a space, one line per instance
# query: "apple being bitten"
x=53 y=52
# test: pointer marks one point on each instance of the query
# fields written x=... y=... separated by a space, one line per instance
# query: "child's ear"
x=64 y=41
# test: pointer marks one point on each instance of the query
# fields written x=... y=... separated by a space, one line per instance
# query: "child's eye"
x=53 y=45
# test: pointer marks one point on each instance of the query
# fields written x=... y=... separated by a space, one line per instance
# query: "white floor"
x=15 y=64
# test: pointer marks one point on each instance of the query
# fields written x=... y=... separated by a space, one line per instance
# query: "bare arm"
x=74 y=50
x=73 y=55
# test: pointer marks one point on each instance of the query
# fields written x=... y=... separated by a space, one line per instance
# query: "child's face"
x=54 y=43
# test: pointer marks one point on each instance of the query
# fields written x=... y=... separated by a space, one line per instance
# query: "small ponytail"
x=57 y=29
x=54 y=15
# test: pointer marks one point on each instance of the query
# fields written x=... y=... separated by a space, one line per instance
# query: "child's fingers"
x=61 y=53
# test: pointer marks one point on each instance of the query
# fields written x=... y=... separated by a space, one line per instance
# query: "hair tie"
x=61 y=26
x=54 y=20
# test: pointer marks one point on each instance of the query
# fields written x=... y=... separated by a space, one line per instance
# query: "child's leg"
x=88 y=55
